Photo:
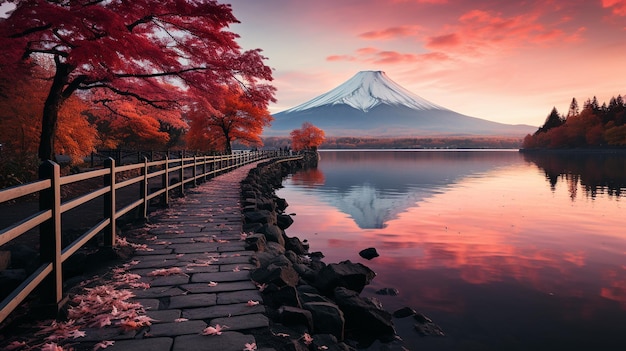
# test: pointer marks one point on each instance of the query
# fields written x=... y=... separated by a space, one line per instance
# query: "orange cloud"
x=443 y=41
x=617 y=6
x=376 y=56
x=479 y=31
x=424 y=1
x=390 y=33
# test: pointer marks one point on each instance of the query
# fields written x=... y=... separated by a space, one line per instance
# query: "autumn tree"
x=21 y=103
x=308 y=137
x=235 y=116
x=136 y=49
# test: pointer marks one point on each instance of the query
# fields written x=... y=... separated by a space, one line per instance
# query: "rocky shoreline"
x=312 y=305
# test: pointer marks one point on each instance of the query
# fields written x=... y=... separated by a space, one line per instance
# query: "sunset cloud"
x=521 y=53
x=479 y=31
x=390 y=33
x=388 y=57
x=617 y=6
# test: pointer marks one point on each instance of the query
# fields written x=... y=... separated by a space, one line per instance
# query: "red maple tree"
x=136 y=49
x=308 y=137
x=236 y=117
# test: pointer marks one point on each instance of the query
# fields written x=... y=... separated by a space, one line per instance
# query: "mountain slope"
x=371 y=104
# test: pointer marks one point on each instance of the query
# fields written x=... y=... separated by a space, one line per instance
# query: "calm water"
x=504 y=251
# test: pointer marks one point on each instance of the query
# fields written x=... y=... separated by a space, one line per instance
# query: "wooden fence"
x=174 y=174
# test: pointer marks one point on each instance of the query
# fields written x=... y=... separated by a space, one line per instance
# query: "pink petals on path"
x=216 y=330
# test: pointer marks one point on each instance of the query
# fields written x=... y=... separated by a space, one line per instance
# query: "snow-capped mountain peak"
x=366 y=90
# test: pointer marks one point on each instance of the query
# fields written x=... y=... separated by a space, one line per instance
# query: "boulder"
x=368 y=253
x=404 y=312
x=294 y=244
x=353 y=276
x=388 y=291
x=292 y=316
x=329 y=342
x=256 y=242
x=281 y=204
x=275 y=297
x=327 y=318
x=277 y=275
x=284 y=221
x=260 y=216
x=273 y=233
x=364 y=316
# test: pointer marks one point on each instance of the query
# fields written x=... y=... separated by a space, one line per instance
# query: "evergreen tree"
x=573 y=109
x=553 y=120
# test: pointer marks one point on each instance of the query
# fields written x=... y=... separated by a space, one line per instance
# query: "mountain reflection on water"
x=504 y=251
x=373 y=187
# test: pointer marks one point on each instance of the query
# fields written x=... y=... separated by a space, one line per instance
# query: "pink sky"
x=505 y=61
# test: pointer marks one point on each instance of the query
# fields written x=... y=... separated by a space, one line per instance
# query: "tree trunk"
x=228 y=149
x=51 y=111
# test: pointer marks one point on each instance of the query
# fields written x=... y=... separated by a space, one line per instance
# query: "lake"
x=503 y=250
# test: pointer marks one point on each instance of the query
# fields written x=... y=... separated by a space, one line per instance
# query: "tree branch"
x=31 y=31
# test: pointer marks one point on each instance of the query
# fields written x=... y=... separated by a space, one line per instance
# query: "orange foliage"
x=594 y=126
x=130 y=124
x=233 y=116
x=21 y=103
x=307 y=137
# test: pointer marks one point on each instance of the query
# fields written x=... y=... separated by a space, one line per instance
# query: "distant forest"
x=594 y=127
x=407 y=143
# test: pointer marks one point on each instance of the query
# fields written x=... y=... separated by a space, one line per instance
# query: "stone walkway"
x=198 y=243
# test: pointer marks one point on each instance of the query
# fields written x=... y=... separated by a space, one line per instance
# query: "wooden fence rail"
x=175 y=175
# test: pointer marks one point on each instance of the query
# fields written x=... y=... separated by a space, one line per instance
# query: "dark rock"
x=327 y=318
x=291 y=316
x=329 y=342
x=426 y=327
x=256 y=242
x=280 y=261
x=306 y=297
x=404 y=312
x=281 y=204
x=274 y=248
x=294 y=244
x=292 y=257
x=368 y=253
x=284 y=221
x=273 y=233
x=251 y=227
x=263 y=259
x=261 y=216
x=307 y=289
x=275 y=297
x=280 y=276
x=264 y=203
x=353 y=276
x=317 y=255
x=388 y=291
x=295 y=345
x=364 y=317
x=305 y=271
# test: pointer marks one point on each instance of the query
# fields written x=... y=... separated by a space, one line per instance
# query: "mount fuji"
x=371 y=104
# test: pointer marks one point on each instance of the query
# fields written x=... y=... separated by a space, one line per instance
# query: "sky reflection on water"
x=485 y=243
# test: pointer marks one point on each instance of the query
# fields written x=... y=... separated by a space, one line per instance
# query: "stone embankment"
x=303 y=296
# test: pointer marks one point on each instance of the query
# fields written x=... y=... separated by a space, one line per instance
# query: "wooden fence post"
x=181 y=174
x=165 y=180
x=109 y=203
x=143 y=189
x=50 y=235
x=195 y=170
x=204 y=168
